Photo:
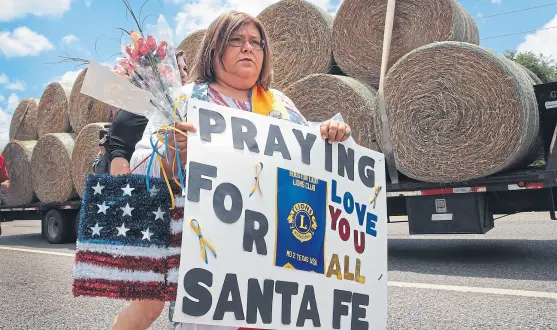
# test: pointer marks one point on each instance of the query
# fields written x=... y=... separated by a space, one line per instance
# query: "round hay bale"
x=24 y=121
x=459 y=112
x=532 y=75
x=51 y=168
x=299 y=35
x=84 y=110
x=190 y=45
x=53 y=110
x=17 y=155
x=84 y=153
x=359 y=26
x=321 y=96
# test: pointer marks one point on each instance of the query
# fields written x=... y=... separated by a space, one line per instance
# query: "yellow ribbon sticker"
x=374 y=198
x=202 y=241
x=258 y=170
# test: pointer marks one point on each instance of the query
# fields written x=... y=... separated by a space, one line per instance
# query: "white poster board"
x=306 y=250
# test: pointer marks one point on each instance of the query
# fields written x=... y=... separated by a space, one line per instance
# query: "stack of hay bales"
x=444 y=128
x=54 y=141
x=456 y=110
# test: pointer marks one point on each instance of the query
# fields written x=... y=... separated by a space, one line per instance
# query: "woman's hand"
x=335 y=131
x=182 y=145
x=119 y=166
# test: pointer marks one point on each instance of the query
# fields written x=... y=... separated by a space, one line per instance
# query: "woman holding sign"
x=233 y=70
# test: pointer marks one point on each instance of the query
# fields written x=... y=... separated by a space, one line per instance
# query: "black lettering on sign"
x=308 y=308
x=260 y=300
x=366 y=172
x=232 y=215
x=346 y=162
x=206 y=125
x=241 y=137
x=234 y=305
x=275 y=142
x=358 y=313
x=328 y=157
x=255 y=236
x=305 y=144
x=287 y=290
x=196 y=182
x=341 y=300
x=202 y=297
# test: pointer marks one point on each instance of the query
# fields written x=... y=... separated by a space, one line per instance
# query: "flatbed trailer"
x=59 y=221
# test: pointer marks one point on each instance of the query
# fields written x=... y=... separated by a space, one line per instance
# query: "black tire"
x=73 y=217
x=57 y=227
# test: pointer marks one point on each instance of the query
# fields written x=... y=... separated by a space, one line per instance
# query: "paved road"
x=506 y=279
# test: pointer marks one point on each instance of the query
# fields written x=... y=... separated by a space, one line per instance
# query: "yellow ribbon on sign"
x=257 y=174
x=373 y=200
x=202 y=241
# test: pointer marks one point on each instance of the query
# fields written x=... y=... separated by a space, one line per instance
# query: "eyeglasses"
x=239 y=42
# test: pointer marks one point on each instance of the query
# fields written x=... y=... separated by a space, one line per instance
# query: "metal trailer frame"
x=59 y=221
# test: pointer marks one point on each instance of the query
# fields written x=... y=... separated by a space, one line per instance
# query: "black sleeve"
x=127 y=129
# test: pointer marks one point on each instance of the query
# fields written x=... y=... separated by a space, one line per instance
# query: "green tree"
x=544 y=67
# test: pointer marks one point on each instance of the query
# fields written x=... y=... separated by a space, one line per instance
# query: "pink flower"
x=162 y=49
x=135 y=38
x=135 y=55
x=129 y=50
x=151 y=42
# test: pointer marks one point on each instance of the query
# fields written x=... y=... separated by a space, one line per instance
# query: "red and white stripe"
x=461 y=190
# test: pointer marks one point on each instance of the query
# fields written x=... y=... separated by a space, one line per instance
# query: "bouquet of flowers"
x=150 y=64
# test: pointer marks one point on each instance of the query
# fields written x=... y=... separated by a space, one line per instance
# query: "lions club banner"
x=282 y=230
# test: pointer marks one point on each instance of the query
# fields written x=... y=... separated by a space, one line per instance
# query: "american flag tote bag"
x=124 y=248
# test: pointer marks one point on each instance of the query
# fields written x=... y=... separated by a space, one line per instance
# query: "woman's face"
x=243 y=58
x=182 y=67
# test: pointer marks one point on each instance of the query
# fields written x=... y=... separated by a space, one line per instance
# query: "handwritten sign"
x=282 y=230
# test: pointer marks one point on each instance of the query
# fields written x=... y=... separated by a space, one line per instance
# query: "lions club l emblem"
x=302 y=222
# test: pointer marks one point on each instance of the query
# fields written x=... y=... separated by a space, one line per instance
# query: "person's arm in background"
x=127 y=130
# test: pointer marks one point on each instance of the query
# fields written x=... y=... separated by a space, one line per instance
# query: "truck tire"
x=57 y=227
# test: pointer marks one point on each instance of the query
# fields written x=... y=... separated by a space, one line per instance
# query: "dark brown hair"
x=216 y=41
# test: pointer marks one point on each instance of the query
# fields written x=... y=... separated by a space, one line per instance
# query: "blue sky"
x=33 y=33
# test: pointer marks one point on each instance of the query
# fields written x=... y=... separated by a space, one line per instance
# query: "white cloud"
x=68 y=78
x=23 y=42
x=542 y=41
x=2 y=98
x=5 y=121
x=13 y=9
x=69 y=39
x=497 y=2
x=6 y=118
x=88 y=3
x=16 y=86
x=3 y=78
x=13 y=102
x=199 y=14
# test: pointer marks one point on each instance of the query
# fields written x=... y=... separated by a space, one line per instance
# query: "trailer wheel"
x=57 y=227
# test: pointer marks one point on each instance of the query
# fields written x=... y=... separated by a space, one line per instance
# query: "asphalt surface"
x=505 y=279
